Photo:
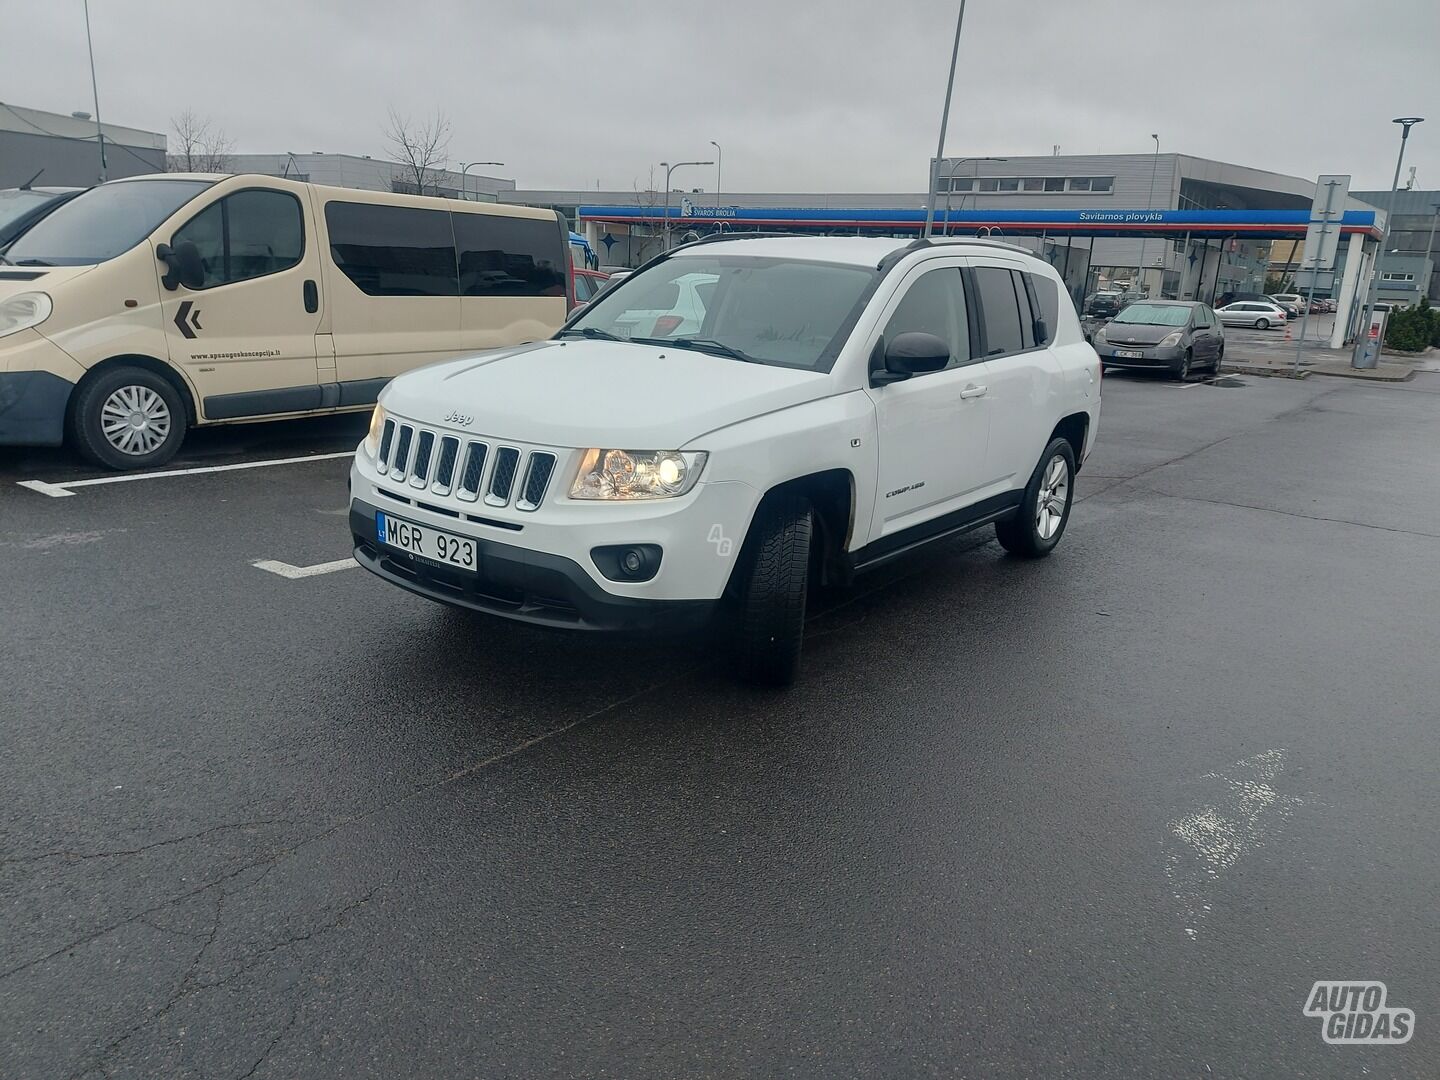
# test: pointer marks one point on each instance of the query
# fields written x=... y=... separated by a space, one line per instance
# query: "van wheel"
x=1045 y=509
x=128 y=418
x=770 y=620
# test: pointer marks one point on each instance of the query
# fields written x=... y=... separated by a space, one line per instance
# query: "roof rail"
x=931 y=241
x=716 y=237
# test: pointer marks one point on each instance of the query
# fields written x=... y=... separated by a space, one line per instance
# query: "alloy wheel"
x=1053 y=497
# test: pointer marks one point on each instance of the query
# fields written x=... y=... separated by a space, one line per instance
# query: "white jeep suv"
x=813 y=408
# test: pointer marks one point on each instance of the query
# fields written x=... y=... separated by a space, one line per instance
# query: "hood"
x=1137 y=333
x=18 y=279
x=579 y=393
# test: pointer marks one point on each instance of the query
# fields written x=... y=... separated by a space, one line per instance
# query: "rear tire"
x=770 y=617
x=128 y=418
x=1044 y=511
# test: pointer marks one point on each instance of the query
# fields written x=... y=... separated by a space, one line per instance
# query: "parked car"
x=1170 y=335
x=20 y=208
x=1103 y=305
x=1293 y=303
x=840 y=401
x=151 y=303
x=587 y=285
x=1261 y=314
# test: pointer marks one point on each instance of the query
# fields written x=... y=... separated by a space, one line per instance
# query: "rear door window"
x=1000 y=310
x=393 y=250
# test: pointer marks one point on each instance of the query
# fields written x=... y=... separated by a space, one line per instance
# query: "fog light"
x=632 y=561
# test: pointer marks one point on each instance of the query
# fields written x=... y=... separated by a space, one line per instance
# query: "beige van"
x=153 y=303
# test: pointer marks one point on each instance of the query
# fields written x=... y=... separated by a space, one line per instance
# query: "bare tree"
x=421 y=148
x=651 y=202
x=201 y=147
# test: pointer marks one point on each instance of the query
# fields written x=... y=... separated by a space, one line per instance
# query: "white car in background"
x=1260 y=314
x=667 y=308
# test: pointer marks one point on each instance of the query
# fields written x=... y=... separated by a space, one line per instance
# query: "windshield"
x=15 y=202
x=783 y=312
x=103 y=222
x=1154 y=315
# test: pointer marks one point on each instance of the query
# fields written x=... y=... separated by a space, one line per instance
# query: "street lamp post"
x=465 y=168
x=668 y=170
x=719 y=163
x=1362 y=357
x=95 y=90
x=944 y=122
x=1149 y=203
x=950 y=177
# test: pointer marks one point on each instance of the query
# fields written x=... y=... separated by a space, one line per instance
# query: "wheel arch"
x=831 y=493
x=148 y=363
x=1074 y=429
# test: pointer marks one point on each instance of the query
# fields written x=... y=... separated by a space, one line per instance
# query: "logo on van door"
x=185 y=318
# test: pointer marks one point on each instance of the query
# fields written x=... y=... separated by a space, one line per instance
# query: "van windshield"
x=781 y=312
x=102 y=223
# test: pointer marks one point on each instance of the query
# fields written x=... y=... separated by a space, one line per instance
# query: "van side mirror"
x=911 y=353
x=184 y=265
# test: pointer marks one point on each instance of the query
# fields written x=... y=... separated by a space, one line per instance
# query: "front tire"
x=1182 y=373
x=1219 y=358
x=770 y=620
x=1044 y=511
x=1262 y=324
x=128 y=418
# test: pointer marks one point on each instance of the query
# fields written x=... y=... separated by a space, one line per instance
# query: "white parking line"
x=294 y=573
x=61 y=490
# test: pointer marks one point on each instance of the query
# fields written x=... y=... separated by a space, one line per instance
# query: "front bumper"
x=32 y=408
x=520 y=584
x=1151 y=356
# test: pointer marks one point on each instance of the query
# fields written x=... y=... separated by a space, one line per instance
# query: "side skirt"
x=885 y=549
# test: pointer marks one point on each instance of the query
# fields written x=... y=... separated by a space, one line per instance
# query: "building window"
x=961 y=184
x=1010 y=184
x=1079 y=183
x=1034 y=183
x=1101 y=183
x=1396 y=276
x=1054 y=183
x=989 y=183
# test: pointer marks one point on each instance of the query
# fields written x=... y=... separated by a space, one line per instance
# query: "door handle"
x=974 y=391
x=312 y=297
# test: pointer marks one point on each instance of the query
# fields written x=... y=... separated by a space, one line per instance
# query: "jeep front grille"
x=464 y=468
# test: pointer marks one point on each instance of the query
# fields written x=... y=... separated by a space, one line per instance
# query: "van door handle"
x=974 y=391
x=312 y=297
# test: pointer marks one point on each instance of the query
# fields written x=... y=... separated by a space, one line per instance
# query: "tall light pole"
x=944 y=122
x=719 y=162
x=1150 y=202
x=668 y=170
x=945 y=229
x=95 y=89
x=465 y=168
x=1362 y=357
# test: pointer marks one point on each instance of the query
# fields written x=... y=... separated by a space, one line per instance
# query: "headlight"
x=1171 y=339
x=22 y=311
x=636 y=474
x=1099 y=336
x=377 y=425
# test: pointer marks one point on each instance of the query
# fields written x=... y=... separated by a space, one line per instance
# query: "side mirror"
x=911 y=353
x=184 y=265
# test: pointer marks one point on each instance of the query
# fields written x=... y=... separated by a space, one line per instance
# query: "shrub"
x=1411 y=329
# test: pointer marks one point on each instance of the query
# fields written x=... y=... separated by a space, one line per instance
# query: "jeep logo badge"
x=463 y=419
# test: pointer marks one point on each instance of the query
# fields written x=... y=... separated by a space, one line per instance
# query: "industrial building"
x=56 y=150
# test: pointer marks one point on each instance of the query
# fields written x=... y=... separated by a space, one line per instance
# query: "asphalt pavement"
x=1107 y=814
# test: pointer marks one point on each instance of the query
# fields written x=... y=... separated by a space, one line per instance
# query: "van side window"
x=246 y=235
x=1001 y=310
x=935 y=304
x=393 y=250
x=509 y=256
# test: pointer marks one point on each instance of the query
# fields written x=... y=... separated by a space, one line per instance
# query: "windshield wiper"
x=32 y=262
x=705 y=345
x=593 y=332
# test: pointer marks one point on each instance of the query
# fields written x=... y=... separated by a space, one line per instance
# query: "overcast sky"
x=802 y=95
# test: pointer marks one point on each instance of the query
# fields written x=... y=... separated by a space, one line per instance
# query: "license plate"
x=1131 y=354
x=426 y=543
